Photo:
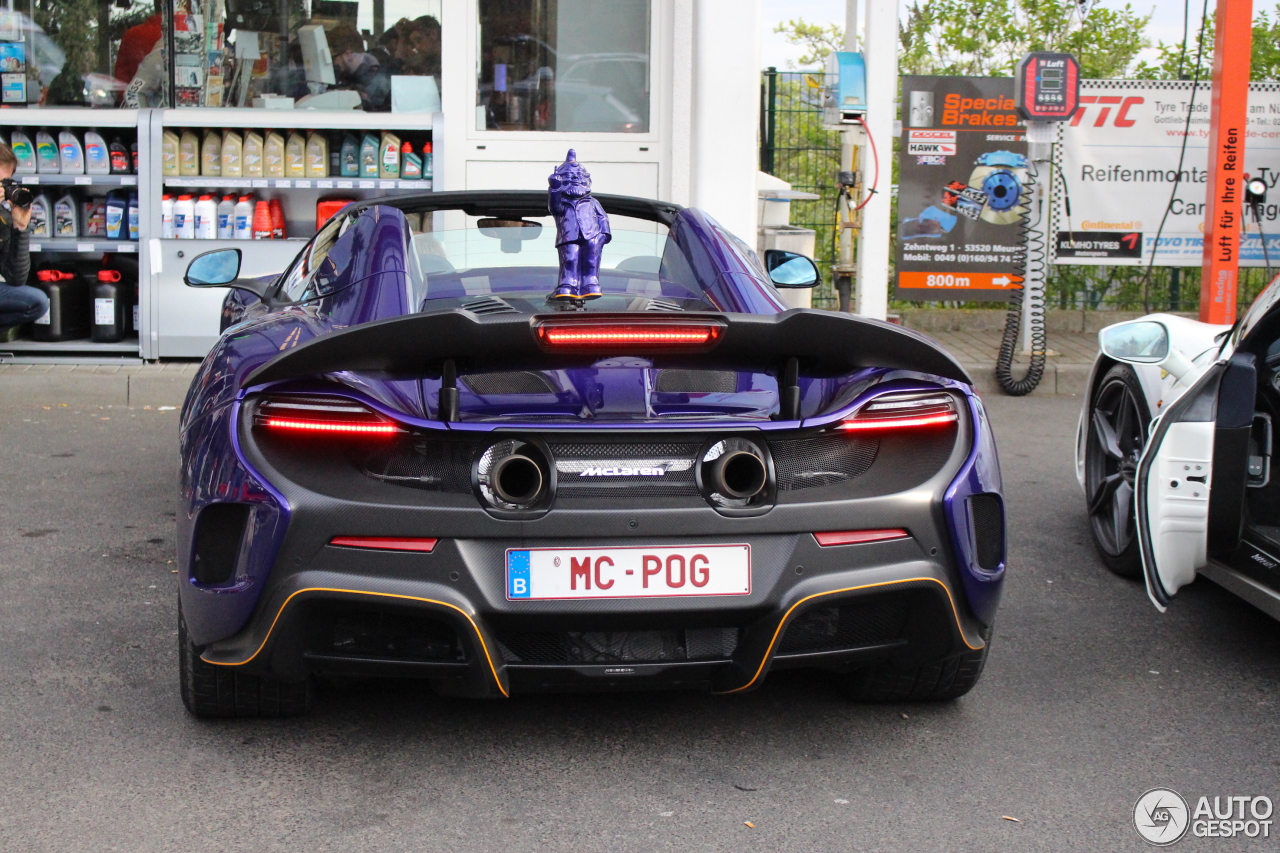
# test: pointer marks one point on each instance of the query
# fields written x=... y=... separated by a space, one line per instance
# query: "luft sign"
x=1228 y=119
x=1047 y=86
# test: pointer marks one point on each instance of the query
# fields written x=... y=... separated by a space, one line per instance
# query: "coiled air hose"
x=1030 y=258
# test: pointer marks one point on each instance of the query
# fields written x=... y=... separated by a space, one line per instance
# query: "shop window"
x=74 y=53
x=371 y=55
x=564 y=65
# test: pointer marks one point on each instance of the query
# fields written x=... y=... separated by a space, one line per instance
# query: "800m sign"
x=962 y=188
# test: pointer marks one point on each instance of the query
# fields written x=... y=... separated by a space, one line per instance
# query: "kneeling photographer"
x=19 y=303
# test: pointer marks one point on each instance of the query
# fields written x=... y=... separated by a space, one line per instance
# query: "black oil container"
x=110 y=306
x=68 y=315
x=128 y=267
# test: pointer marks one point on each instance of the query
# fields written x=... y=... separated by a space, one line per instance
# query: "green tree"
x=989 y=37
x=818 y=40
x=1176 y=62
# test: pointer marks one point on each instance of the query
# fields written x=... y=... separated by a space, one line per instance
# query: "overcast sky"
x=1166 y=21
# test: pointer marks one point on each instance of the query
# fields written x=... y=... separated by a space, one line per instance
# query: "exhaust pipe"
x=737 y=474
x=516 y=479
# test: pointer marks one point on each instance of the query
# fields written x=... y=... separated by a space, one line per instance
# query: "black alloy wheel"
x=1117 y=433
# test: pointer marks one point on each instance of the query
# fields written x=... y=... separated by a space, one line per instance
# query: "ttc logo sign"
x=1102 y=105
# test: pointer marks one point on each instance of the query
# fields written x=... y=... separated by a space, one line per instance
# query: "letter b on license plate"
x=628 y=572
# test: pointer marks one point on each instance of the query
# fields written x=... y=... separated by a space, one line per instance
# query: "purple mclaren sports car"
x=402 y=459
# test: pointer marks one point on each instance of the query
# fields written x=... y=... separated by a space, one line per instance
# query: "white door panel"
x=1173 y=483
x=1178 y=503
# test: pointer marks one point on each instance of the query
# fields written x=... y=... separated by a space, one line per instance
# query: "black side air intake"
x=219 y=532
x=988 y=529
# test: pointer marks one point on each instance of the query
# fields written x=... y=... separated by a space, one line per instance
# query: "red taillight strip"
x=346 y=428
x=900 y=423
x=385 y=543
x=584 y=335
x=854 y=537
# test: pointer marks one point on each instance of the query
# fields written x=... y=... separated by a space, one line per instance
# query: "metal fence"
x=795 y=147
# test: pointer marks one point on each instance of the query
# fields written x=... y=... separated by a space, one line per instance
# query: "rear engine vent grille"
x=385 y=634
x=631 y=450
x=514 y=382
x=625 y=470
x=488 y=305
x=430 y=464
x=663 y=305
x=988 y=529
x=588 y=647
x=697 y=382
x=882 y=619
x=804 y=463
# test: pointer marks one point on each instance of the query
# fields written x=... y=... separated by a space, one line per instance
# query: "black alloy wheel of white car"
x=1117 y=432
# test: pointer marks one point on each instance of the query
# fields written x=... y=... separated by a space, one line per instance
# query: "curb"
x=87 y=388
x=1059 y=379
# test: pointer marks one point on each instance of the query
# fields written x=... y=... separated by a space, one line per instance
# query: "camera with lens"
x=16 y=193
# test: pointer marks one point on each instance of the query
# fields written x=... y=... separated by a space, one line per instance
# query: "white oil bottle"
x=70 y=154
x=66 y=221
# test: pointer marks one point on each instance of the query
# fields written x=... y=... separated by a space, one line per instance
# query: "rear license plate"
x=628 y=572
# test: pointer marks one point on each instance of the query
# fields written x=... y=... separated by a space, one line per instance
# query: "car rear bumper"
x=445 y=616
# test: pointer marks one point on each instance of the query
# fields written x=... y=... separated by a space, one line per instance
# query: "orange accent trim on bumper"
x=488 y=657
x=768 y=654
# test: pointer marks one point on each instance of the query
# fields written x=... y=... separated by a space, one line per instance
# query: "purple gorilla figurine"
x=582 y=229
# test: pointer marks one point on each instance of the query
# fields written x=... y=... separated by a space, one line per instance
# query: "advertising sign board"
x=962 y=174
x=1120 y=160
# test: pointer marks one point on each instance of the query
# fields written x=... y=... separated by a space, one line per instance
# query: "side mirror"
x=1145 y=342
x=219 y=268
x=788 y=269
x=1136 y=342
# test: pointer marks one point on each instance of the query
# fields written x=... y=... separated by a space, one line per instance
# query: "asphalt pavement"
x=1090 y=698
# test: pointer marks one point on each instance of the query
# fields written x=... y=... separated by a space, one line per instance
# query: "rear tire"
x=949 y=678
x=1117 y=433
x=219 y=691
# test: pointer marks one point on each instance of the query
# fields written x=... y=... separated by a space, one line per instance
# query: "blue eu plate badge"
x=517 y=574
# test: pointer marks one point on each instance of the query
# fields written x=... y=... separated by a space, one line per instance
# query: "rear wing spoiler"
x=816 y=343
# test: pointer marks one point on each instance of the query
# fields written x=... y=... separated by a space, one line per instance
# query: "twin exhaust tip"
x=520 y=480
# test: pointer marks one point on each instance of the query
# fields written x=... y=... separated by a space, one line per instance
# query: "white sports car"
x=1173 y=452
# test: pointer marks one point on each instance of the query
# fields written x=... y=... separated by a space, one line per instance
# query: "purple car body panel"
x=367 y=276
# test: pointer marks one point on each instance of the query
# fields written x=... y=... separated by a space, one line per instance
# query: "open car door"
x=1191 y=479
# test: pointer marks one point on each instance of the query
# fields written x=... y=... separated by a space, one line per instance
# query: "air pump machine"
x=844 y=107
x=1046 y=91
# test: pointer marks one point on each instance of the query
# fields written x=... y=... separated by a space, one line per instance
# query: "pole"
x=769 y=120
x=880 y=42
x=847 y=220
x=1224 y=189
